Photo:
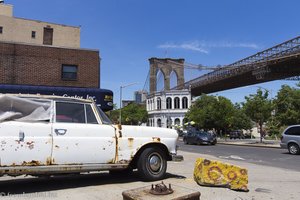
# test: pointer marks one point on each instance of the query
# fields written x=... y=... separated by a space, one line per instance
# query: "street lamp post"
x=121 y=87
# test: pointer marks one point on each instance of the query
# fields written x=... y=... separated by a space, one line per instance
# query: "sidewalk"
x=265 y=182
x=250 y=142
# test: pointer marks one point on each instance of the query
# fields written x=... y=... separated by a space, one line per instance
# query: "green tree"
x=223 y=114
x=134 y=114
x=240 y=119
x=287 y=106
x=258 y=107
x=201 y=112
x=210 y=112
x=114 y=115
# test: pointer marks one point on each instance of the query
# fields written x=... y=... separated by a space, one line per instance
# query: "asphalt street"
x=263 y=156
x=265 y=182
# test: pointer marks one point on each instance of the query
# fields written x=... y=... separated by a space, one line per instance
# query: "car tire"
x=293 y=149
x=152 y=164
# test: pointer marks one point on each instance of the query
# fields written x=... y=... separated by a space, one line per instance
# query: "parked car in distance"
x=237 y=134
x=290 y=139
x=48 y=135
x=199 y=137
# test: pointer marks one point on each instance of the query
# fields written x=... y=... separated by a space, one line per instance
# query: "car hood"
x=145 y=131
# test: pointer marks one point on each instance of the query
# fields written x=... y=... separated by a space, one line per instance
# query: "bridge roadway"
x=279 y=62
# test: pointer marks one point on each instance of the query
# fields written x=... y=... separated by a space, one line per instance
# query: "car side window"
x=293 y=131
x=90 y=115
x=70 y=112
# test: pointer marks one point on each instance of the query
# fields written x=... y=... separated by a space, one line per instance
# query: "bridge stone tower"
x=166 y=66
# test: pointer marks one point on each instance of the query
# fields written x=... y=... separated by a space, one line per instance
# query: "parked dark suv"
x=290 y=139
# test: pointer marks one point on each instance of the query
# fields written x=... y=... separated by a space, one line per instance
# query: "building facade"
x=46 y=54
x=46 y=58
x=13 y=29
x=167 y=108
x=140 y=96
x=48 y=66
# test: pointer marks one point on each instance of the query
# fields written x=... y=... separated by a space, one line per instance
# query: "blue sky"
x=207 y=32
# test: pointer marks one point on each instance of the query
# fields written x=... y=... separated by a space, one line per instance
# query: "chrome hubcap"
x=155 y=163
x=293 y=149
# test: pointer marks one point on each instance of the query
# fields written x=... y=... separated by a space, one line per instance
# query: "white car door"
x=27 y=144
x=25 y=137
x=79 y=138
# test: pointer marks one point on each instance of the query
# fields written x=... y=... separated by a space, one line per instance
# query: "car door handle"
x=60 y=131
x=21 y=136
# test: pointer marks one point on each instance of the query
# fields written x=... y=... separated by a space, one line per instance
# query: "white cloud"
x=226 y=44
x=194 y=46
x=204 y=46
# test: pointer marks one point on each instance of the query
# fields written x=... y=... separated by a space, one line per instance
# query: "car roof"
x=50 y=97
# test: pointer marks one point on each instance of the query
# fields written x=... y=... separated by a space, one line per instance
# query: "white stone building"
x=167 y=108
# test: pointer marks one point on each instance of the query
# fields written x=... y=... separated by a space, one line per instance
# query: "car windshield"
x=103 y=116
x=202 y=133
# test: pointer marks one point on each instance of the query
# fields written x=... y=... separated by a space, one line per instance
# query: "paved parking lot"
x=264 y=183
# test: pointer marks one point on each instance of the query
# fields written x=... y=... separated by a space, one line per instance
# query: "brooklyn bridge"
x=279 y=62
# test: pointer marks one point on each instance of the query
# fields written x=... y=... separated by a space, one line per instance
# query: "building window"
x=48 y=36
x=169 y=103
x=158 y=103
x=177 y=121
x=1 y=29
x=158 y=122
x=184 y=102
x=33 y=34
x=69 y=72
x=176 y=103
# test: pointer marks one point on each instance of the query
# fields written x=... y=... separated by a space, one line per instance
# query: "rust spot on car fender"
x=50 y=161
x=124 y=162
x=130 y=142
x=111 y=161
x=156 y=139
x=30 y=144
x=31 y=163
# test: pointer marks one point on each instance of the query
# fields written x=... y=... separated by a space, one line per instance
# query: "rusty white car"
x=48 y=135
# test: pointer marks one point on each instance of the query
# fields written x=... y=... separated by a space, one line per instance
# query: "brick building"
x=48 y=66
x=35 y=53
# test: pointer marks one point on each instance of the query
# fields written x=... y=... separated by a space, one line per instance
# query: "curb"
x=250 y=145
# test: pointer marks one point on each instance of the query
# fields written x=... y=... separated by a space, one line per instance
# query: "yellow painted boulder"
x=216 y=173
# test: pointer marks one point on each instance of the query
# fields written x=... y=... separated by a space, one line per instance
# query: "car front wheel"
x=152 y=164
x=294 y=149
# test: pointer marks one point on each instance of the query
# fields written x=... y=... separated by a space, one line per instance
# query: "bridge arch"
x=160 y=80
x=173 y=79
x=168 y=67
